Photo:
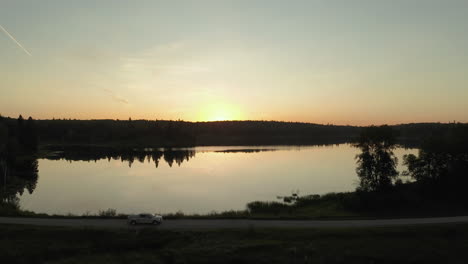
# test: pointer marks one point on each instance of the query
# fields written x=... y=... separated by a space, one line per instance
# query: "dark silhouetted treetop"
x=376 y=162
x=441 y=166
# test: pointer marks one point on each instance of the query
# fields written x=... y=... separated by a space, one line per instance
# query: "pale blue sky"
x=344 y=62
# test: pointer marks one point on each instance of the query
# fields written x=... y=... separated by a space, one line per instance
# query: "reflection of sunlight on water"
x=208 y=181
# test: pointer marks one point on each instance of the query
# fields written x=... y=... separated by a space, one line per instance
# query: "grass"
x=421 y=244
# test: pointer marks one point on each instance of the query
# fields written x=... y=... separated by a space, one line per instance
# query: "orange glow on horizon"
x=229 y=112
x=219 y=112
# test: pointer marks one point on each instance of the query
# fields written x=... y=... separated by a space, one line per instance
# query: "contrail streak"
x=12 y=38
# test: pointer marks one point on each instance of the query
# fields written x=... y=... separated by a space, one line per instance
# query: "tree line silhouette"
x=18 y=163
x=441 y=167
x=167 y=133
x=438 y=173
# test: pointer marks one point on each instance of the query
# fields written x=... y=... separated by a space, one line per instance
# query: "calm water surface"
x=209 y=179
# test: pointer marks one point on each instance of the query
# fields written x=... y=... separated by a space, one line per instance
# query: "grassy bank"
x=401 y=201
x=426 y=244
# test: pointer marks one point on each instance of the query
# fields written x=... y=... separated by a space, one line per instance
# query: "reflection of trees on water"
x=169 y=156
x=245 y=150
x=17 y=176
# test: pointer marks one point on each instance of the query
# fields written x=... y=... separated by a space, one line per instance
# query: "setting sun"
x=220 y=112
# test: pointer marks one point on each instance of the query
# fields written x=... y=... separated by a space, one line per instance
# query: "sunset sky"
x=344 y=62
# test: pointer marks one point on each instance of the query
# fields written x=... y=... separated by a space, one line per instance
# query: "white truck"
x=144 y=219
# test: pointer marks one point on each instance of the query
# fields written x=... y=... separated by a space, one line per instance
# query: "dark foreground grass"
x=422 y=244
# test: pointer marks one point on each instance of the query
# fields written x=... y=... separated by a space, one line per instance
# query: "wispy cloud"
x=171 y=68
x=115 y=96
x=176 y=59
x=14 y=40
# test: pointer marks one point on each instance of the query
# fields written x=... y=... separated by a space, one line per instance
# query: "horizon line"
x=233 y=120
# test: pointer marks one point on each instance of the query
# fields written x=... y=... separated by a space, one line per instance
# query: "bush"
x=258 y=207
x=107 y=213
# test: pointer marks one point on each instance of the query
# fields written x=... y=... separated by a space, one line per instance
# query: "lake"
x=197 y=180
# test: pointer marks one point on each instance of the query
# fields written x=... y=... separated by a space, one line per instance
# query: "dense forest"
x=162 y=133
x=18 y=163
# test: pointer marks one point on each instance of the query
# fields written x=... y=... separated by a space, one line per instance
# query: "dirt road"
x=192 y=224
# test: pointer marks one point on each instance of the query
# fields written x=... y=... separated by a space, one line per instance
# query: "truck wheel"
x=133 y=222
x=155 y=222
